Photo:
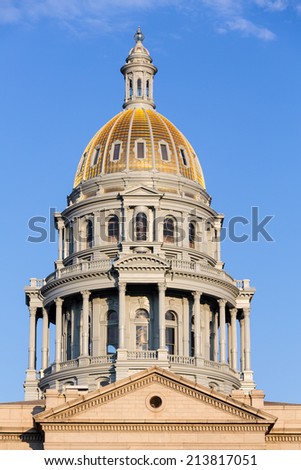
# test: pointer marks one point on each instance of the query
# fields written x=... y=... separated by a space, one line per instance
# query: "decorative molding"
x=23 y=437
x=283 y=438
x=145 y=427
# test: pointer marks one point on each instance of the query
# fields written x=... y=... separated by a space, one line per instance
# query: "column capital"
x=122 y=286
x=161 y=287
x=197 y=295
x=233 y=311
x=32 y=310
x=246 y=311
x=59 y=301
x=222 y=303
x=85 y=294
x=45 y=311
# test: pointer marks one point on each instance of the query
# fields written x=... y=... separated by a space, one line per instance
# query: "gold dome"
x=136 y=140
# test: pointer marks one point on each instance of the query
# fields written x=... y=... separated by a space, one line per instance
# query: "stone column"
x=60 y=244
x=197 y=323
x=150 y=224
x=215 y=335
x=206 y=313
x=242 y=344
x=45 y=339
x=85 y=327
x=161 y=289
x=247 y=338
x=222 y=323
x=122 y=319
x=233 y=313
x=96 y=229
x=32 y=338
x=58 y=330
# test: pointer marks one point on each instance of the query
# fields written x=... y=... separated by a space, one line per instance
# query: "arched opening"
x=113 y=229
x=71 y=240
x=170 y=331
x=139 y=87
x=131 y=88
x=142 y=324
x=141 y=226
x=192 y=235
x=112 y=332
x=89 y=234
x=147 y=88
x=169 y=230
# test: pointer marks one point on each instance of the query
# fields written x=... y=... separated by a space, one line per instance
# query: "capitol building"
x=150 y=335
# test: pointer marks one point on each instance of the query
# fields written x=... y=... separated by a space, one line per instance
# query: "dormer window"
x=116 y=151
x=140 y=150
x=184 y=157
x=95 y=156
x=164 y=150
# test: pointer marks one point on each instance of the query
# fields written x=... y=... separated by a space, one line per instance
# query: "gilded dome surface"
x=135 y=140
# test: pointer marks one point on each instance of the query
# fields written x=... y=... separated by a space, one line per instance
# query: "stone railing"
x=212 y=364
x=81 y=267
x=109 y=358
x=200 y=268
x=142 y=355
x=186 y=360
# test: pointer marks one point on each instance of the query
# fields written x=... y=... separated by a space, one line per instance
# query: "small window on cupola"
x=131 y=87
x=139 y=87
x=147 y=88
x=164 y=150
x=140 y=150
x=116 y=151
x=184 y=157
x=95 y=156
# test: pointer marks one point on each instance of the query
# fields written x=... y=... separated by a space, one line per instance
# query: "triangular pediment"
x=141 y=191
x=155 y=396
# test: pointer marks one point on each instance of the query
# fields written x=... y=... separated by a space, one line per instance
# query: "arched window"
x=170 y=331
x=139 y=87
x=141 y=226
x=142 y=322
x=192 y=235
x=113 y=229
x=89 y=234
x=192 y=337
x=169 y=230
x=147 y=88
x=131 y=88
x=71 y=240
x=112 y=332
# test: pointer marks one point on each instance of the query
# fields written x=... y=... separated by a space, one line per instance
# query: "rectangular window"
x=95 y=157
x=141 y=337
x=140 y=150
x=170 y=340
x=164 y=152
x=184 y=158
x=116 y=153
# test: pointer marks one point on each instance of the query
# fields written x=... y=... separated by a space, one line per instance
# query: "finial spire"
x=139 y=36
x=139 y=74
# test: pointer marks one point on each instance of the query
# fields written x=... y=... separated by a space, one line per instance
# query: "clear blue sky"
x=229 y=78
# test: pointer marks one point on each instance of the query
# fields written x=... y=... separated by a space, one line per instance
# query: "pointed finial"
x=139 y=36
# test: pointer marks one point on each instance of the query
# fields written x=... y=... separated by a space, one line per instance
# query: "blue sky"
x=229 y=78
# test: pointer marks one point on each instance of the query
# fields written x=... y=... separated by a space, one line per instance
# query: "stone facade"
x=152 y=344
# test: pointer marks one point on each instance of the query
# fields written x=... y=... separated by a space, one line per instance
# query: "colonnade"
x=214 y=330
